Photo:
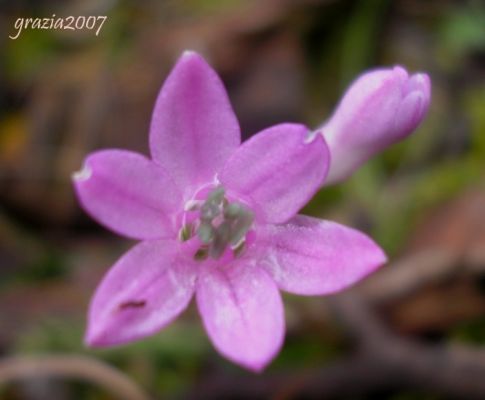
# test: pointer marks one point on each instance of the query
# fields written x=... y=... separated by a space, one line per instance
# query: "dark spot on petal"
x=132 y=304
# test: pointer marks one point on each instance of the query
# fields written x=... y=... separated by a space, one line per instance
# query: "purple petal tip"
x=400 y=70
x=93 y=339
x=82 y=175
x=190 y=53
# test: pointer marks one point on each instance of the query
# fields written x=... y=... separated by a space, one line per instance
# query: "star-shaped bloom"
x=218 y=219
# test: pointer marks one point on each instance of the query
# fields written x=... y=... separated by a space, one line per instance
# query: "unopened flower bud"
x=379 y=109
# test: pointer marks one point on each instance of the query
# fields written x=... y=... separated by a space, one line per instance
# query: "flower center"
x=218 y=222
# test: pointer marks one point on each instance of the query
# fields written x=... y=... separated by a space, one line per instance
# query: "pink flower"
x=216 y=218
x=379 y=109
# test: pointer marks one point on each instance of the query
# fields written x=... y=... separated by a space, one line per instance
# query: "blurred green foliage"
x=471 y=332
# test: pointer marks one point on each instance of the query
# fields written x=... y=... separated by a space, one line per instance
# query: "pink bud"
x=380 y=108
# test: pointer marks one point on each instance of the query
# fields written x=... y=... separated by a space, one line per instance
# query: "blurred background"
x=414 y=330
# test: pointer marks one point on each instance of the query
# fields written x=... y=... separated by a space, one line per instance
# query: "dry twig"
x=70 y=367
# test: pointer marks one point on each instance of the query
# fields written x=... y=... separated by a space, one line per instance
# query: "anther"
x=201 y=254
x=241 y=226
x=186 y=232
x=192 y=205
x=221 y=240
x=232 y=210
x=216 y=196
x=205 y=232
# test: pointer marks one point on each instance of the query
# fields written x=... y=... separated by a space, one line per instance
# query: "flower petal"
x=414 y=106
x=309 y=256
x=409 y=114
x=128 y=194
x=242 y=312
x=142 y=293
x=193 y=129
x=280 y=169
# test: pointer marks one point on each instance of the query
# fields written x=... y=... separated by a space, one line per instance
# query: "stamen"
x=186 y=232
x=221 y=240
x=205 y=232
x=216 y=196
x=193 y=205
x=232 y=210
x=201 y=254
x=221 y=225
x=209 y=211
x=239 y=248
x=241 y=226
